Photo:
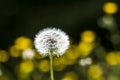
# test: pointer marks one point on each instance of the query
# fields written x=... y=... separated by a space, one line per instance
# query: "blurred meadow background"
x=92 y=25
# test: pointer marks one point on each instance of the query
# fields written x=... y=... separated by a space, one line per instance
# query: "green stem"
x=51 y=66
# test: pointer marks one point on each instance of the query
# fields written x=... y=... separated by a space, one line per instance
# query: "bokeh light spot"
x=88 y=36
x=43 y=65
x=4 y=56
x=22 y=43
x=110 y=7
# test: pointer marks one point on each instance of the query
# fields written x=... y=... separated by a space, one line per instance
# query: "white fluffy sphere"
x=51 y=39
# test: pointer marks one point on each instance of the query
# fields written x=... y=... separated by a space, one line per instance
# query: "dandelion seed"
x=51 y=39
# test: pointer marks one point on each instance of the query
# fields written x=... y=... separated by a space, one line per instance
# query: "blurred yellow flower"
x=100 y=78
x=22 y=43
x=26 y=67
x=70 y=76
x=59 y=63
x=110 y=8
x=14 y=52
x=67 y=78
x=85 y=48
x=95 y=72
x=72 y=53
x=118 y=54
x=4 y=56
x=70 y=61
x=113 y=58
x=43 y=65
x=88 y=36
x=59 y=67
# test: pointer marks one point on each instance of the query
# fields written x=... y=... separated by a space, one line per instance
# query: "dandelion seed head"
x=85 y=61
x=51 y=39
x=28 y=54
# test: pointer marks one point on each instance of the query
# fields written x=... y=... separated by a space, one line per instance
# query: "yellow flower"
x=43 y=65
x=113 y=58
x=59 y=67
x=110 y=8
x=88 y=36
x=3 y=56
x=85 y=48
x=59 y=63
x=14 y=52
x=26 y=67
x=70 y=76
x=95 y=71
x=23 y=43
x=71 y=55
x=72 y=52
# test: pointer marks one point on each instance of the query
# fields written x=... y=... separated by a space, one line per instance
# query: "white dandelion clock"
x=85 y=61
x=28 y=54
x=51 y=39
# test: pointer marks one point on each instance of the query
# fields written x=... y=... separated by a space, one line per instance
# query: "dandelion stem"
x=51 y=66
